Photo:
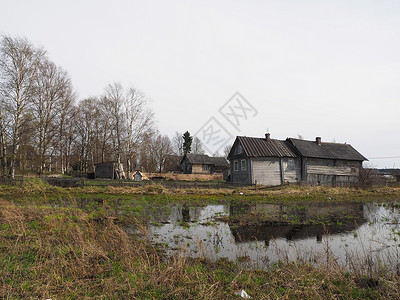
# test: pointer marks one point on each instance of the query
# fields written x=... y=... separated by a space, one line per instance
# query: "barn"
x=272 y=162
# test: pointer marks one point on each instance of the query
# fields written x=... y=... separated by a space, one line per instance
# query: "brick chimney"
x=318 y=140
x=268 y=136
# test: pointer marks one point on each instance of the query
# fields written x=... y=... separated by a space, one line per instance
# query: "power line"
x=384 y=157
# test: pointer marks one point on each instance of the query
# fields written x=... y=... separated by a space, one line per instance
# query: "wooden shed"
x=109 y=170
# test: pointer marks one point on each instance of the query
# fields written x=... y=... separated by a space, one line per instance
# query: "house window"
x=236 y=165
x=243 y=166
x=239 y=149
x=291 y=165
x=205 y=167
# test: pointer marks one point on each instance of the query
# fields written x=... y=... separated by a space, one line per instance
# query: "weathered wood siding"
x=198 y=169
x=291 y=170
x=266 y=171
x=186 y=166
x=241 y=175
x=105 y=170
x=329 y=171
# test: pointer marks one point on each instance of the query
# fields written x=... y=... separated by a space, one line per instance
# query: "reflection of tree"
x=195 y=213
x=185 y=214
x=159 y=214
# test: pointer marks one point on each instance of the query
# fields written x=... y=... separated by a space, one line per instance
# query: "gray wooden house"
x=327 y=163
x=263 y=161
x=272 y=162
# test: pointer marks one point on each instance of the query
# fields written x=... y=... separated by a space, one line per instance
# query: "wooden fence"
x=8 y=180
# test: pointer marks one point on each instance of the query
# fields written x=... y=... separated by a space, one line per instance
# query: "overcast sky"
x=309 y=68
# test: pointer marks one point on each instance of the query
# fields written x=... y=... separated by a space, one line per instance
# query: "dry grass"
x=54 y=252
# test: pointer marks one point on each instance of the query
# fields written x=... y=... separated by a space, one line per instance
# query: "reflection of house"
x=268 y=161
x=267 y=233
x=282 y=216
x=202 y=164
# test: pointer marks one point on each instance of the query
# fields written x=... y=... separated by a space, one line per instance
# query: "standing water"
x=352 y=235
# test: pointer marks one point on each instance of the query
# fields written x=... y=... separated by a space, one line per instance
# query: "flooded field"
x=365 y=236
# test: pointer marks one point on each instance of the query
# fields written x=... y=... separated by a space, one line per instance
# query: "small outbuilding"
x=109 y=170
x=138 y=176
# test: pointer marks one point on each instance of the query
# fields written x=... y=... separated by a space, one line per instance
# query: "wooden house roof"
x=198 y=159
x=261 y=147
x=316 y=149
x=220 y=162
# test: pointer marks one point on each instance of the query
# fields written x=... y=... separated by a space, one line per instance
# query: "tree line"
x=44 y=127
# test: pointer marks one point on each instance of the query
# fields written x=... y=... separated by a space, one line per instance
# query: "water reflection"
x=290 y=232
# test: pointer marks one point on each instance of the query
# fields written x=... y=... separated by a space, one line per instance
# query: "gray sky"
x=310 y=68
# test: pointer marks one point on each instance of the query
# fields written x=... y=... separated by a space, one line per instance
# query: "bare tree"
x=177 y=144
x=19 y=62
x=3 y=136
x=85 y=115
x=227 y=149
x=64 y=126
x=197 y=147
x=130 y=118
x=53 y=88
x=114 y=93
x=139 y=119
x=161 y=147
x=148 y=162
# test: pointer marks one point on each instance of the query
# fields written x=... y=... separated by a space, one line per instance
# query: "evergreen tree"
x=187 y=142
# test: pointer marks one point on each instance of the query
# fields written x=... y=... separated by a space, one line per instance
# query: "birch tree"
x=139 y=120
x=162 y=147
x=3 y=136
x=65 y=125
x=131 y=119
x=114 y=93
x=19 y=62
x=197 y=146
x=85 y=115
x=53 y=88
x=177 y=144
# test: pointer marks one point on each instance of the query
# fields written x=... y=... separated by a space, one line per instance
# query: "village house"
x=202 y=164
x=390 y=175
x=272 y=162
